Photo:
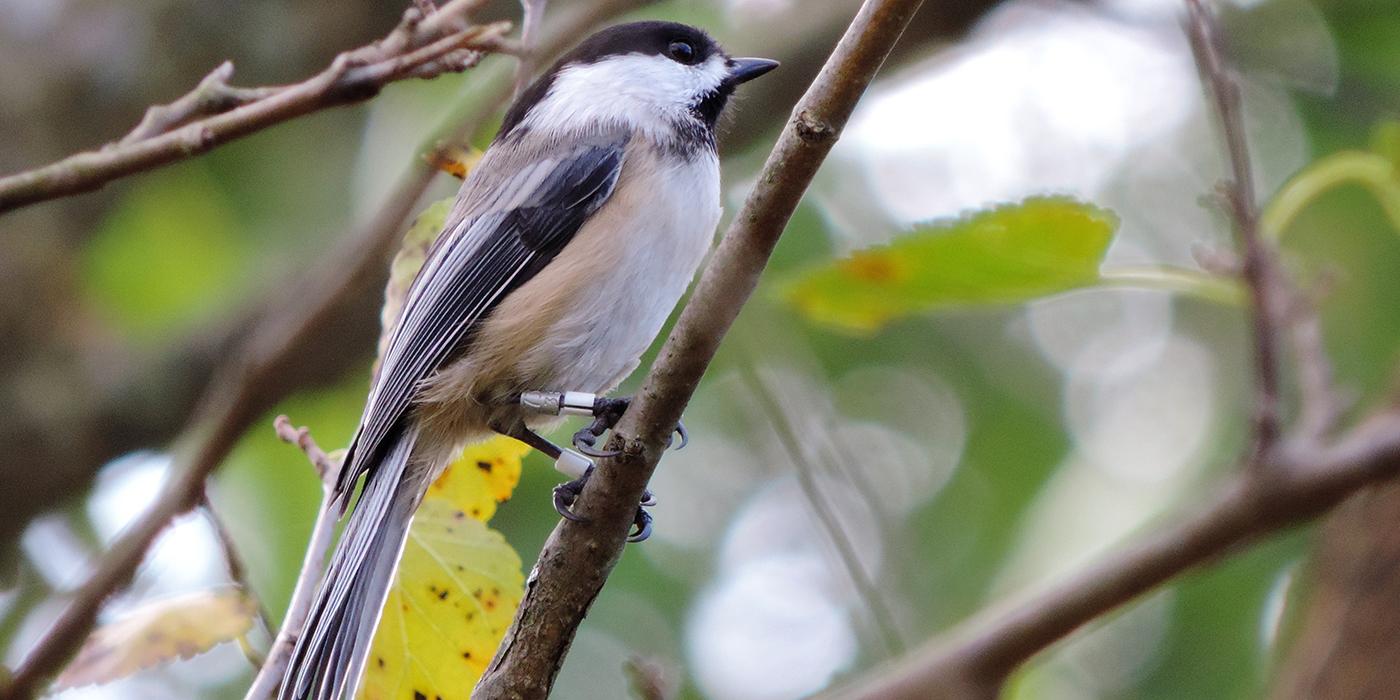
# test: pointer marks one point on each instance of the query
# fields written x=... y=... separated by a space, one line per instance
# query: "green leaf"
x=1006 y=255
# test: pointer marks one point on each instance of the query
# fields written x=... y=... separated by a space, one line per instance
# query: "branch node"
x=813 y=129
x=326 y=467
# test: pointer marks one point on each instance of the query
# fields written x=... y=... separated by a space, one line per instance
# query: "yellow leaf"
x=455 y=159
x=159 y=632
x=457 y=585
x=453 y=597
x=482 y=476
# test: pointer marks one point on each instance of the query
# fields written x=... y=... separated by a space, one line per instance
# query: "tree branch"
x=214 y=113
x=1290 y=488
x=578 y=557
x=312 y=566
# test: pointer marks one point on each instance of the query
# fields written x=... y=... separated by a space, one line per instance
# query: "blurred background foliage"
x=846 y=495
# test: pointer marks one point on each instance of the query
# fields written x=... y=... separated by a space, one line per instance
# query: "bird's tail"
x=330 y=652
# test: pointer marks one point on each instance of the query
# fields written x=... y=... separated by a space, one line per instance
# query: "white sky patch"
x=1046 y=97
x=187 y=555
x=764 y=632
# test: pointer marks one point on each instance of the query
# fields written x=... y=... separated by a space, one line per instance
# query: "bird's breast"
x=583 y=321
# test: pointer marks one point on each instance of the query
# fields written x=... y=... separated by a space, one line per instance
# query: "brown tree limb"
x=312 y=566
x=578 y=557
x=214 y=113
x=1291 y=487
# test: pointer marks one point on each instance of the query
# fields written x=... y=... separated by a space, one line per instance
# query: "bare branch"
x=1291 y=488
x=214 y=113
x=312 y=565
x=326 y=468
x=1320 y=405
x=1258 y=266
x=578 y=557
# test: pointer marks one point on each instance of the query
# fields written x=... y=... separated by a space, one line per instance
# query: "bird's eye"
x=681 y=51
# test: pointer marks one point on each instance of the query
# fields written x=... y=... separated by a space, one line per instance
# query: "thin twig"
x=214 y=113
x=825 y=513
x=233 y=561
x=1258 y=266
x=312 y=565
x=578 y=557
x=1320 y=405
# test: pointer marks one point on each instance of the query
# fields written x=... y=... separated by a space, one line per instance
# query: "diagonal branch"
x=1291 y=487
x=578 y=557
x=215 y=113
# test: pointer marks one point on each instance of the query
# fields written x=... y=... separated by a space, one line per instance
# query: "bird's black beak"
x=742 y=70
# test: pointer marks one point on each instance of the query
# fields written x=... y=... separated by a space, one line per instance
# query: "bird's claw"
x=642 y=522
x=682 y=434
x=586 y=440
x=567 y=493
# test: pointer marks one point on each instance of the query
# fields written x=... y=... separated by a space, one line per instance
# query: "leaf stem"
x=1369 y=170
x=1181 y=280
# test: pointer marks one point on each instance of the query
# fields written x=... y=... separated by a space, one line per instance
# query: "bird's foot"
x=606 y=413
x=567 y=493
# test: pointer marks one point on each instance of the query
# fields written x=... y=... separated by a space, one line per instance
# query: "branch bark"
x=1347 y=645
x=419 y=47
x=578 y=557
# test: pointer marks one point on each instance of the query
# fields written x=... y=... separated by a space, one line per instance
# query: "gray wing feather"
x=503 y=231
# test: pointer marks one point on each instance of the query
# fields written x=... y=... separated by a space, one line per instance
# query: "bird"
x=566 y=249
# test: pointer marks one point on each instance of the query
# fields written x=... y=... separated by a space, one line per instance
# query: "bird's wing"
x=509 y=222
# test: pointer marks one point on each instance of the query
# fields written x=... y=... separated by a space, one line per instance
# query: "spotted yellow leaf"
x=457 y=585
x=159 y=632
x=482 y=476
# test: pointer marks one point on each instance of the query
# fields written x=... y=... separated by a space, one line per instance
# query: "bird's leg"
x=572 y=464
x=606 y=413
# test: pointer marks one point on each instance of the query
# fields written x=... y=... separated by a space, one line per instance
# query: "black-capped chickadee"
x=568 y=246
